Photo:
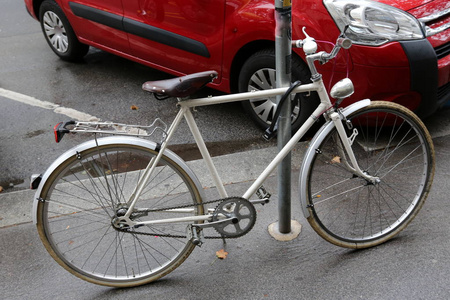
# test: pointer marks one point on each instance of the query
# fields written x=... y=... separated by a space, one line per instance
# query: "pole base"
x=274 y=231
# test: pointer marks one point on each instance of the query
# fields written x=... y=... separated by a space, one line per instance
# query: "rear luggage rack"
x=157 y=129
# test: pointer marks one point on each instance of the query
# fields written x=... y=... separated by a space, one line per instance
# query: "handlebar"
x=309 y=46
x=341 y=42
x=344 y=42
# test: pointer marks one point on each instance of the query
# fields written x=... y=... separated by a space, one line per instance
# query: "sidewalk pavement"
x=15 y=207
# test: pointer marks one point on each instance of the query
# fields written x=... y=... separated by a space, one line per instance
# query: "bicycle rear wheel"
x=84 y=194
x=393 y=145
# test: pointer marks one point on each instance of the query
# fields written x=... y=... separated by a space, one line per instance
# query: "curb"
x=16 y=207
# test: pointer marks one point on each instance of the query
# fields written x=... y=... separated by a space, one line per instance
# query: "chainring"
x=241 y=210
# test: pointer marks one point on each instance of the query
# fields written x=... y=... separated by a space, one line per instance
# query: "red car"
x=400 y=53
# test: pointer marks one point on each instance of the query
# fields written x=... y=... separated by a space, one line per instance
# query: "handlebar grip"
x=344 y=43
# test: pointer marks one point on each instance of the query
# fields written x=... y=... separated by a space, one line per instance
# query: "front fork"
x=347 y=142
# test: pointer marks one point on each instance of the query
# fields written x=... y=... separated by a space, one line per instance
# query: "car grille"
x=436 y=19
x=443 y=50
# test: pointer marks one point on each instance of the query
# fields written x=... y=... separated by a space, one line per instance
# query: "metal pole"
x=283 y=53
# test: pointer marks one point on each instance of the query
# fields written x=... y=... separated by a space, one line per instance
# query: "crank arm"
x=193 y=235
x=260 y=201
x=220 y=222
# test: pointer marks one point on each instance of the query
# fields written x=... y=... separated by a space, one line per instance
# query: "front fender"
x=315 y=143
x=103 y=142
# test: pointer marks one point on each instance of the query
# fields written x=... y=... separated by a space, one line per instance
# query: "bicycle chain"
x=180 y=236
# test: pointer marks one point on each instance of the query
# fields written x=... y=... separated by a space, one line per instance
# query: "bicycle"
x=124 y=211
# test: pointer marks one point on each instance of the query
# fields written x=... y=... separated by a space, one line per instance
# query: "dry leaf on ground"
x=221 y=254
x=336 y=160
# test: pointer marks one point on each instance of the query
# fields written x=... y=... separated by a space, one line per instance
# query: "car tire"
x=59 y=33
x=258 y=73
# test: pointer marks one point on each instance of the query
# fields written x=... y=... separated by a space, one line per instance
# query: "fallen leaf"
x=134 y=107
x=221 y=254
x=1 y=189
x=336 y=160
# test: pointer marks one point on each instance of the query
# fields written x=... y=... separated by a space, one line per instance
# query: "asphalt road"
x=413 y=266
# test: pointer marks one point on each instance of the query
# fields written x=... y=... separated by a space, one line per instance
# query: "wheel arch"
x=241 y=56
x=104 y=142
x=244 y=53
x=37 y=5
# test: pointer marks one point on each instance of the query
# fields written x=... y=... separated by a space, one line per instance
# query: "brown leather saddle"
x=179 y=87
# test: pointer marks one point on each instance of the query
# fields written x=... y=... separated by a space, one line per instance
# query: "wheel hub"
x=117 y=221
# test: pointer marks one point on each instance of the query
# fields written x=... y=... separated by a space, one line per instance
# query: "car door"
x=179 y=36
x=100 y=22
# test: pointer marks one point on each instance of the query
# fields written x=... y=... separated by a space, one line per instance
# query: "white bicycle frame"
x=333 y=117
x=185 y=111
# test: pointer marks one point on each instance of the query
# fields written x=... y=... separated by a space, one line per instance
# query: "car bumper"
x=423 y=74
x=30 y=8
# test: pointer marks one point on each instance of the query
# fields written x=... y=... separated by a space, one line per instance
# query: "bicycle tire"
x=81 y=197
x=393 y=144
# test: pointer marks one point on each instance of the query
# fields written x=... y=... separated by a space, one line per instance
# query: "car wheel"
x=59 y=34
x=258 y=73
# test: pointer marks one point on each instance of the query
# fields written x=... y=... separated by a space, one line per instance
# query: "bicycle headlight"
x=373 y=23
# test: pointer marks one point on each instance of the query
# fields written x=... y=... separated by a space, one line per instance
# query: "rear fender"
x=102 y=142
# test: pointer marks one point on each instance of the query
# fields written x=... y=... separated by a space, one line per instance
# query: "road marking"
x=70 y=112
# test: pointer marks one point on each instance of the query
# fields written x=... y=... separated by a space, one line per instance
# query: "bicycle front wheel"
x=391 y=144
x=82 y=197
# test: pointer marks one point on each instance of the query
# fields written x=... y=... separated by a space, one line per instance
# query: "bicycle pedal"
x=263 y=195
x=195 y=238
x=269 y=134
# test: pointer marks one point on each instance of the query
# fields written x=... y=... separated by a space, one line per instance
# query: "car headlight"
x=373 y=23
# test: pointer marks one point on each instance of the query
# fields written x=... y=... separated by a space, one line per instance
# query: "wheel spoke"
x=392 y=145
x=87 y=195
